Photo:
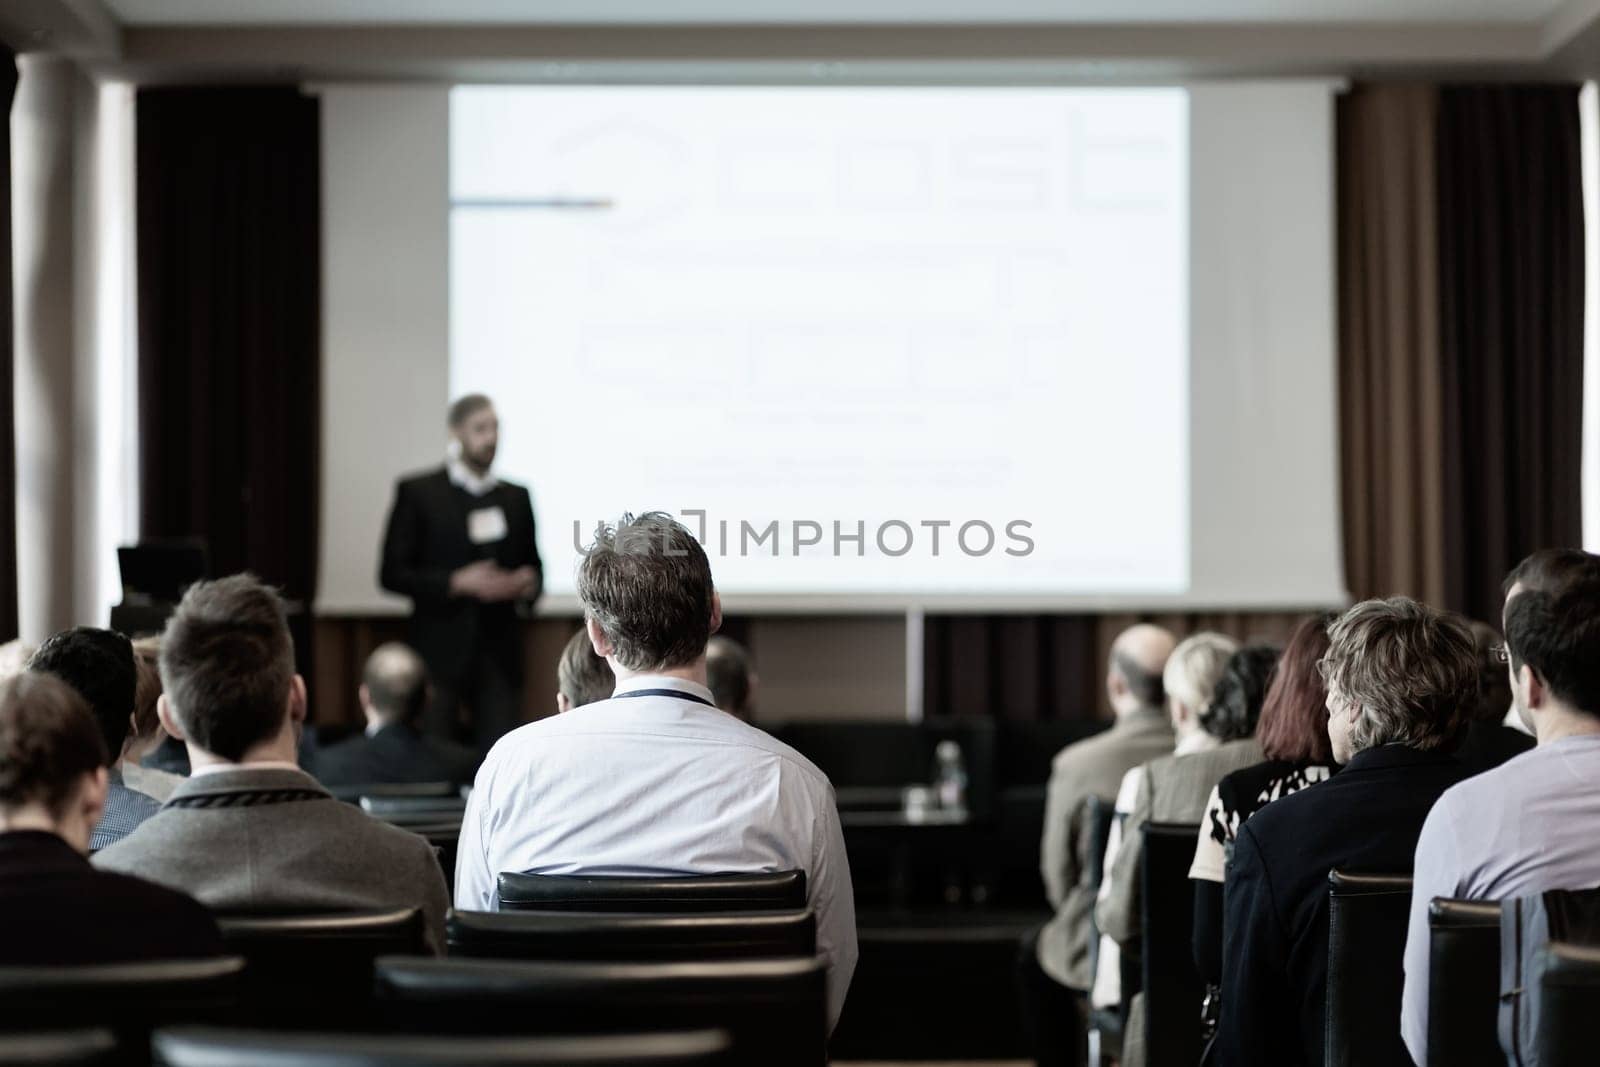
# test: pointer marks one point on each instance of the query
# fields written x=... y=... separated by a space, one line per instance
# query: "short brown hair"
x=1411 y=669
x=1294 y=718
x=647 y=583
x=728 y=674
x=48 y=741
x=581 y=675
x=146 y=660
x=466 y=407
x=227 y=664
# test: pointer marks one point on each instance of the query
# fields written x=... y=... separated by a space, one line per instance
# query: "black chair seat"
x=773 y=1009
x=414 y=808
x=205 y=1047
x=315 y=970
x=1463 y=983
x=60 y=1048
x=354 y=793
x=1368 y=916
x=760 y=891
x=569 y=935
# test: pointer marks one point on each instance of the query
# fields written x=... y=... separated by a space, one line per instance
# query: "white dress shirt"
x=659 y=785
x=1529 y=825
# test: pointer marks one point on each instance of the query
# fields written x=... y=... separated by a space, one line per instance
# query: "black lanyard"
x=680 y=694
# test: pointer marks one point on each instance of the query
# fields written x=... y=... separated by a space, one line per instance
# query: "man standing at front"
x=656 y=780
x=460 y=543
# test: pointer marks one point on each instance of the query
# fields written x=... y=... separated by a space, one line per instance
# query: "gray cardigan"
x=272 y=839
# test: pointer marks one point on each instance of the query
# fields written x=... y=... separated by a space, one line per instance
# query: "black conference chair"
x=411 y=809
x=206 y=1047
x=1105 y=1024
x=126 y=999
x=759 y=891
x=1463 y=983
x=1367 y=919
x=1173 y=989
x=593 y=936
x=353 y=793
x=315 y=970
x=60 y=1048
x=1568 y=985
x=774 y=1010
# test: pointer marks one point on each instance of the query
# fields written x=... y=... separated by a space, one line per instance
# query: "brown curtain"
x=229 y=325
x=1511 y=247
x=1390 y=400
x=8 y=436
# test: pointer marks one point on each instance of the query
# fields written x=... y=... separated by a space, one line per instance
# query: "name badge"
x=486 y=525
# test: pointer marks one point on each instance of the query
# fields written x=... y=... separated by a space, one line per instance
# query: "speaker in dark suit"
x=461 y=544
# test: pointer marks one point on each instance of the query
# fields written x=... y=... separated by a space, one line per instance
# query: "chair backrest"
x=354 y=793
x=760 y=891
x=61 y=1048
x=1367 y=919
x=1173 y=990
x=1568 y=989
x=773 y=1009
x=209 y=1047
x=1098 y=817
x=1463 y=983
x=129 y=998
x=412 y=808
x=588 y=935
x=312 y=970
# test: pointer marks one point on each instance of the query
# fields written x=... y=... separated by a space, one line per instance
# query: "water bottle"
x=950 y=777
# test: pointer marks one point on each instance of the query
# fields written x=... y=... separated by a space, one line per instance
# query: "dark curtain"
x=1511 y=247
x=8 y=438
x=229 y=326
x=1390 y=419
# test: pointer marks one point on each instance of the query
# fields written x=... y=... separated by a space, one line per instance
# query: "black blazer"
x=55 y=909
x=1275 y=958
x=397 y=753
x=425 y=541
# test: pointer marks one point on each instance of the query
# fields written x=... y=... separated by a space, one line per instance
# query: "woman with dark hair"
x=1293 y=734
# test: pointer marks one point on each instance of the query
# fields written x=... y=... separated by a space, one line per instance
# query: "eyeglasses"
x=1501 y=654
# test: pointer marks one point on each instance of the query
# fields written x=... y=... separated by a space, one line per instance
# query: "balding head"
x=1133 y=678
x=394 y=685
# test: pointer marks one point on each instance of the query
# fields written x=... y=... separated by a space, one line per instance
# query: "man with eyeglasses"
x=1533 y=823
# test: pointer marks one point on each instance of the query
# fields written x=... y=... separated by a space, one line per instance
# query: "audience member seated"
x=146 y=735
x=1054 y=960
x=249 y=830
x=55 y=909
x=1190 y=679
x=1533 y=823
x=731 y=677
x=1491 y=739
x=1174 y=789
x=393 y=695
x=1401 y=678
x=582 y=677
x=99 y=665
x=1293 y=734
x=655 y=780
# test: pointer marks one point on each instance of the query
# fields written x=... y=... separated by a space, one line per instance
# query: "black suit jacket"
x=55 y=909
x=395 y=754
x=425 y=541
x=1275 y=959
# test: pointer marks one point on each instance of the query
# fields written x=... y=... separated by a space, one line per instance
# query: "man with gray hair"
x=655 y=780
x=1402 y=678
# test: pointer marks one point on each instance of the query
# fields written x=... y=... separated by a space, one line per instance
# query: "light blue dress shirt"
x=658 y=785
x=1529 y=825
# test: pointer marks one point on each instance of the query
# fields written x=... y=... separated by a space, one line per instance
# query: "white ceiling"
x=536 y=12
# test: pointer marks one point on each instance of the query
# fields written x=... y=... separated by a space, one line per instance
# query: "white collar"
x=264 y=765
x=661 y=681
x=463 y=476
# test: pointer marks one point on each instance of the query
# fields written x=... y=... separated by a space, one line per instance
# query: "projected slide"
x=910 y=342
